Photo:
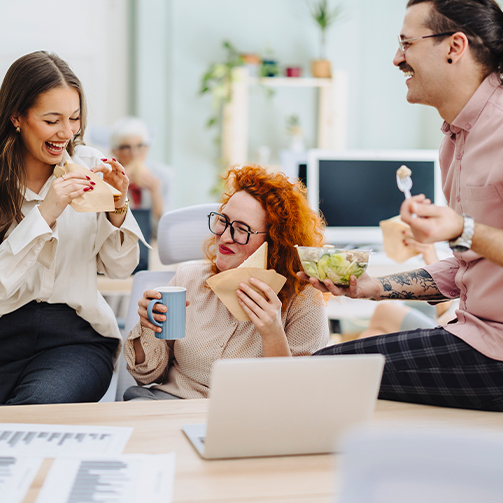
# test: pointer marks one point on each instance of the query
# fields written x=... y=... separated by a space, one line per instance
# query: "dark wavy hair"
x=480 y=20
x=290 y=221
x=27 y=78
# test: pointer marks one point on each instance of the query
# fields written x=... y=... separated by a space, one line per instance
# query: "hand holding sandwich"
x=115 y=175
x=61 y=193
x=264 y=312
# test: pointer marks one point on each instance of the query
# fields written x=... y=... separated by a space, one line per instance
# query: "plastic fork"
x=405 y=184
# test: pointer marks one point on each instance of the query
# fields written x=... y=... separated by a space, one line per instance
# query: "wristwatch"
x=464 y=242
x=122 y=209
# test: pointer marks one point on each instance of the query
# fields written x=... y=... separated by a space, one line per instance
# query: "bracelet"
x=123 y=209
x=464 y=242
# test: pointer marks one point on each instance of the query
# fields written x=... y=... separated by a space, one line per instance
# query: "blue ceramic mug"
x=173 y=297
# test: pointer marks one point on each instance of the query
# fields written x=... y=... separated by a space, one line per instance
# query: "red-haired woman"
x=259 y=206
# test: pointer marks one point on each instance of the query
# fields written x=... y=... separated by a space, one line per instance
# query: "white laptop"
x=283 y=406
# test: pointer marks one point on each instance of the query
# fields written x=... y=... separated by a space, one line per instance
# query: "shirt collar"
x=29 y=195
x=472 y=110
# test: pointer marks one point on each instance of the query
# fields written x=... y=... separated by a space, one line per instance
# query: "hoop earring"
x=18 y=129
x=449 y=61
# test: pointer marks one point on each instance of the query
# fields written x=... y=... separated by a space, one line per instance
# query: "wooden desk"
x=288 y=479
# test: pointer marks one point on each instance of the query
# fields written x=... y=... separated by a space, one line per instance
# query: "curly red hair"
x=290 y=221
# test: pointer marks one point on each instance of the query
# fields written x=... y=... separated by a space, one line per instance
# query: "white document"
x=16 y=476
x=51 y=440
x=131 y=478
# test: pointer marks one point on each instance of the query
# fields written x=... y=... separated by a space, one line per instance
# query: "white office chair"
x=422 y=465
x=180 y=238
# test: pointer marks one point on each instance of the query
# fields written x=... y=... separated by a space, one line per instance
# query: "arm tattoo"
x=413 y=285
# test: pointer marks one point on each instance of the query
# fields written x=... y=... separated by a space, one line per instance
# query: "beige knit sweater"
x=183 y=367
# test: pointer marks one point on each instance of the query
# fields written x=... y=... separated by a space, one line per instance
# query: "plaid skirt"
x=431 y=367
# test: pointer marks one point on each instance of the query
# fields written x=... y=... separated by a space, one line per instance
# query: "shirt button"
x=468 y=126
x=39 y=300
x=453 y=293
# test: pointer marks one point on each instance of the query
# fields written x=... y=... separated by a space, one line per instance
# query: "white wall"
x=90 y=35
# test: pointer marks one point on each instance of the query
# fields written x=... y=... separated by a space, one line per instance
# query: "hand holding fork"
x=404 y=182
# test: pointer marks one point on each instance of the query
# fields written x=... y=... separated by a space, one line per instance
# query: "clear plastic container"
x=328 y=262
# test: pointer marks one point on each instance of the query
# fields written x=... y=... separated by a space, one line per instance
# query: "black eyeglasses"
x=404 y=43
x=130 y=148
x=240 y=232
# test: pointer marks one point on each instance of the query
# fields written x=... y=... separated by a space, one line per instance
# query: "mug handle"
x=150 y=308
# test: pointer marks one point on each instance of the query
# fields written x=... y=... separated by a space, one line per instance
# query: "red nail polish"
x=114 y=159
x=103 y=159
x=123 y=173
x=92 y=183
x=88 y=177
x=92 y=170
x=87 y=188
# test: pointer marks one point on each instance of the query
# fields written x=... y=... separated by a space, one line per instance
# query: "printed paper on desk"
x=101 y=198
x=226 y=283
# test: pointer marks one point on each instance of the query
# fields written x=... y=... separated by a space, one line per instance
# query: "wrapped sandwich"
x=226 y=283
x=101 y=198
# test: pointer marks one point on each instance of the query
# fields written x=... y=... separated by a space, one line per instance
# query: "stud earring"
x=18 y=129
x=449 y=61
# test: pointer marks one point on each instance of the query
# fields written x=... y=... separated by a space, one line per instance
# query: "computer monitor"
x=356 y=189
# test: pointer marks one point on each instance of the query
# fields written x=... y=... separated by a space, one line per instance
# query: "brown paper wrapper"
x=394 y=248
x=226 y=283
x=99 y=199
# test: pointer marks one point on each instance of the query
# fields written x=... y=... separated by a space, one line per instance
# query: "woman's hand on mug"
x=148 y=295
x=62 y=192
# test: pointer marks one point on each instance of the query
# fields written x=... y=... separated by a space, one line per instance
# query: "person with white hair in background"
x=150 y=182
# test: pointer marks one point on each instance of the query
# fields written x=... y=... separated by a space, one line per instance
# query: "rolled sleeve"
x=444 y=275
x=117 y=248
x=158 y=355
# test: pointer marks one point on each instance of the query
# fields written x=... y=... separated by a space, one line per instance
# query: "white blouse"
x=60 y=264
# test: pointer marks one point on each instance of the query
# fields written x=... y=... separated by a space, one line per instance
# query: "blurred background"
x=147 y=58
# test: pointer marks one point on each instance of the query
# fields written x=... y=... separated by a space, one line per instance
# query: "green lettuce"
x=338 y=267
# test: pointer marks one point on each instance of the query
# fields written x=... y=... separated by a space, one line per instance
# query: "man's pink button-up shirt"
x=471 y=161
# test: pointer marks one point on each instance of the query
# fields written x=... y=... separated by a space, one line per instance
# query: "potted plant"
x=324 y=16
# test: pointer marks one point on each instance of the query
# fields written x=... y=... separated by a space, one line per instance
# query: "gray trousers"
x=140 y=393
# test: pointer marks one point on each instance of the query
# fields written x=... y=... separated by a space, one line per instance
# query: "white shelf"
x=289 y=82
x=332 y=111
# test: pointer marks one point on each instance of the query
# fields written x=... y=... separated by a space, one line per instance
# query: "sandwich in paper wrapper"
x=226 y=283
x=392 y=233
x=101 y=198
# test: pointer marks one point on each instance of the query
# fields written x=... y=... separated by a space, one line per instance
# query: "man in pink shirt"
x=451 y=53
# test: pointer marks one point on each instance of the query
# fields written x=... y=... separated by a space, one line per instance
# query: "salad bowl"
x=329 y=262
